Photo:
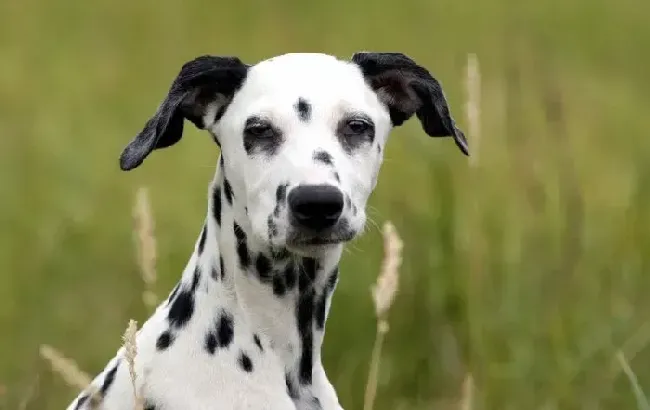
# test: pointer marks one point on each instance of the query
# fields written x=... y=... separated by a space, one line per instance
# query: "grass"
x=524 y=273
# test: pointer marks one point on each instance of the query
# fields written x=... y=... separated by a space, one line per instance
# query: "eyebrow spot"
x=322 y=156
x=304 y=109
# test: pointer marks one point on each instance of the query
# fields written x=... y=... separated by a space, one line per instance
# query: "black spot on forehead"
x=222 y=270
x=323 y=157
x=303 y=108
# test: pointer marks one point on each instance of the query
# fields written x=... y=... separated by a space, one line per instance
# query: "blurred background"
x=525 y=268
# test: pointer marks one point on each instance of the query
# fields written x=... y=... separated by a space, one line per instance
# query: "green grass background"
x=528 y=271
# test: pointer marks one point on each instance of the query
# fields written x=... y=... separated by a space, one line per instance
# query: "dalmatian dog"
x=301 y=140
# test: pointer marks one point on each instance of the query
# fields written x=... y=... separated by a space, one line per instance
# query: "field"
x=526 y=270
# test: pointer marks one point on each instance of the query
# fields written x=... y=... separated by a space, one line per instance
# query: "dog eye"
x=260 y=130
x=356 y=127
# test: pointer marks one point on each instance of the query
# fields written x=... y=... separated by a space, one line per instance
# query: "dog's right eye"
x=260 y=130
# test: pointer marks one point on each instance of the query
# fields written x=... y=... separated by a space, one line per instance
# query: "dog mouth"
x=301 y=239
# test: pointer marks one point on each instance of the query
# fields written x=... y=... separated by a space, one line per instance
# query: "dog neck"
x=283 y=297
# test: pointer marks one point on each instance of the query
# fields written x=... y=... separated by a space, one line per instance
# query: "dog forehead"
x=306 y=75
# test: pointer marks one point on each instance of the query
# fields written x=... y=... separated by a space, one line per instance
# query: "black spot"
x=290 y=276
x=182 y=308
x=281 y=193
x=196 y=278
x=279 y=286
x=227 y=190
x=220 y=112
x=242 y=246
x=321 y=304
x=378 y=148
x=337 y=177
x=304 y=109
x=81 y=401
x=202 y=239
x=210 y=342
x=164 y=340
x=108 y=380
x=225 y=329
x=222 y=271
x=221 y=164
x=222 y=335
x=315 y=404
x=324 y=157
x=348 y=201
x=305 y=317
x=148 y=405
x=273 y=228
x=310 y=265
x=258 y=342
x=174 y=292
x=280 y=254
x=245 y=362
x=263 y=267
x=214 y=274
x=291 y=388
x=216 y=204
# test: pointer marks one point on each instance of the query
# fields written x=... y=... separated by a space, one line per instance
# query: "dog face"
x=301 y=135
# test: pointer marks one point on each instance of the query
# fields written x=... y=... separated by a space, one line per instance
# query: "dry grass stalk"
x=641 y=399
x=383 y=294
x=71 y=373
x=146 y=246
x=32 y=392
x=473 y=105
x=131 y=351
x=467 y=398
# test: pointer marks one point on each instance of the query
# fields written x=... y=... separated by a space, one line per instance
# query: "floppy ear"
x=406 y=89
x=207 y=82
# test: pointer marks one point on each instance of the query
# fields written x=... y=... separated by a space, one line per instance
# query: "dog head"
x=301 y=135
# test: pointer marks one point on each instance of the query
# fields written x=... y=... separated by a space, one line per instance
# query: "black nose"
x=315 y=207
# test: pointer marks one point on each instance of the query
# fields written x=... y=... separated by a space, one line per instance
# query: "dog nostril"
x=316 y=207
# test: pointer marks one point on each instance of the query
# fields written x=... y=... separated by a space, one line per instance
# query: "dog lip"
x=322 y=240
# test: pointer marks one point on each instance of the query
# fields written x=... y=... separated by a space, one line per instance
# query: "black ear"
x=407 y=88
x=205 y=82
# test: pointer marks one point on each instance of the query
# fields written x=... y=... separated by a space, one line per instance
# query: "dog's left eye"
x=357 y=127
x=260 y=130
